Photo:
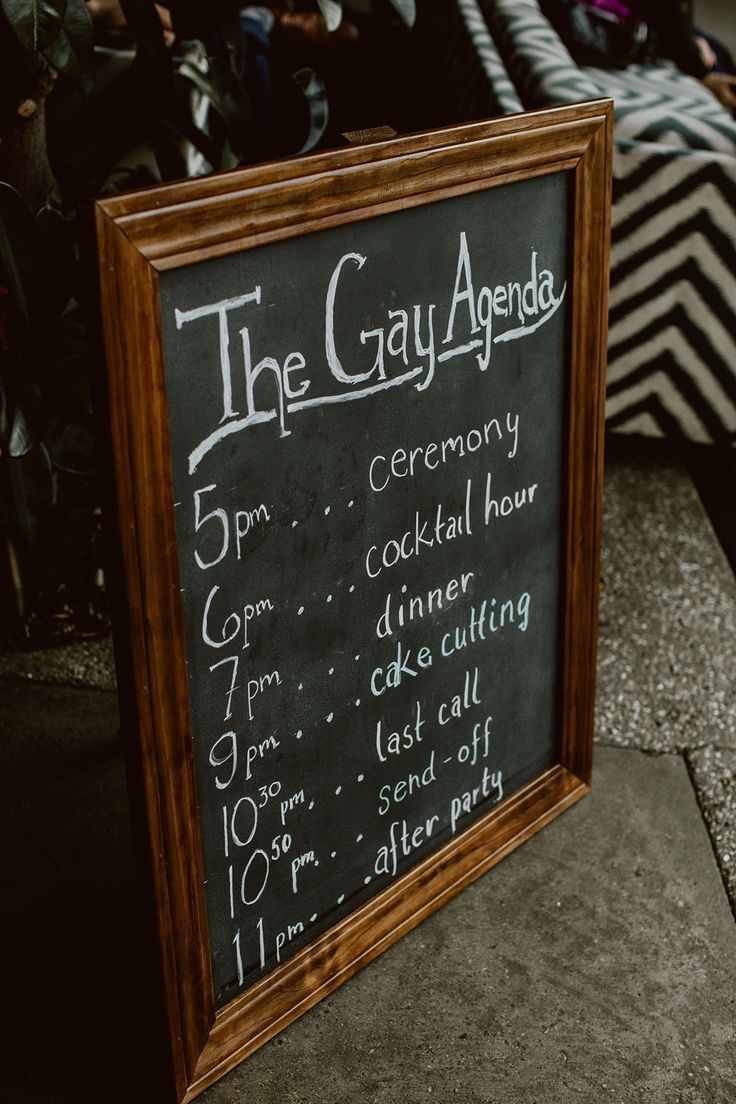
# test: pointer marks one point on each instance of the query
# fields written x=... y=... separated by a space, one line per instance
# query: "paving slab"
x=714 y=775
x=594 y=964
x=667 y=649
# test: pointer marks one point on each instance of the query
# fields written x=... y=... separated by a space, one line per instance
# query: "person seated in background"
x=692 y=51
x=616 y=33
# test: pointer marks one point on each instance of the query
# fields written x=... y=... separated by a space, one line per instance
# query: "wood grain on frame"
x=143 y=233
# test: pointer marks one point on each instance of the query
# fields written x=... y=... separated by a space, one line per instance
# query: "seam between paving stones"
x=679 y=749
x=683 y=753
x=691 y=775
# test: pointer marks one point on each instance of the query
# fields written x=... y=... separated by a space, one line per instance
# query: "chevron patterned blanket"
x=672 y=345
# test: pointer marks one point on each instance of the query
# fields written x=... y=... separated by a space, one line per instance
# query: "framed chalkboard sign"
x=356 y=416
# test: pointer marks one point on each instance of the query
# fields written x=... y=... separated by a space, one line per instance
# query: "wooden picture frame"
x=146 y=233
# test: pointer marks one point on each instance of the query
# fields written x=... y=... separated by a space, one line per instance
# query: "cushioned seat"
x=672 y=354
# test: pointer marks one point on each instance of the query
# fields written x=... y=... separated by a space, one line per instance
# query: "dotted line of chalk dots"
x=294 y=524
x=329 y=719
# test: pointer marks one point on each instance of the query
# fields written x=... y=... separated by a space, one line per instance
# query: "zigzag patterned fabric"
x=538 y=63
x=672 y=352
x=485 y=49
x=657 y=103
x=672 y=347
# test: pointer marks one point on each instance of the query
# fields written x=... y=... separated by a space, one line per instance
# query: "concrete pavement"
x=597 y=963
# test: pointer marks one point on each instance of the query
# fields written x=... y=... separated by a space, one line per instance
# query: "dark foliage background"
x=102 y=96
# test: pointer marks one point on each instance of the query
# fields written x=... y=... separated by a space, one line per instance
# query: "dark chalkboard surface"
x=370 y=565
x=357 y=436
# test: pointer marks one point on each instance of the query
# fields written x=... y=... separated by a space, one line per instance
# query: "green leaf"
x=332 y=12
x=62 y=365
x=18 y=248
x=233 y=103
x=79 y=30
x=28 y=422
x=232 y=36
x=32 y=483
x=144 y=24
x=315 y=93
x=56 y=263
x=71 y=448
x=228 y=160
x=137 y=169
x=407 y=9
x=62 y=56
x=35 y=22
x=196 y=76
x=9 y=271
x=5 y=418
x=229 y=99
x=22 y=438
x=36 y=258
x=71 y=49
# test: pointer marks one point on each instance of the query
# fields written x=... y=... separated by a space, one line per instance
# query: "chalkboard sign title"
x=360 y=544
x=404 y=336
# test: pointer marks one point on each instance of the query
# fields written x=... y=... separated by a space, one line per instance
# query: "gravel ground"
x=714 y=774
x=90 y=664
x=667 y=647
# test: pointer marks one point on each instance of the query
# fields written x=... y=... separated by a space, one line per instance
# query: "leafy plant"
x=332 y=10
x=46 y=424
x=156 y=106
x=59 y=30
x=45 y=412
